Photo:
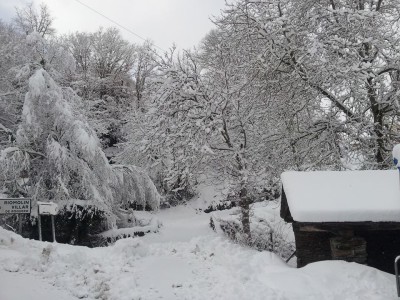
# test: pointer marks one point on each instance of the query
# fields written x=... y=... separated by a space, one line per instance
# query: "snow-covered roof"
x=343 y=196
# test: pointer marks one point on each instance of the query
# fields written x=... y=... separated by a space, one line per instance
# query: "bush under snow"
x=268 y=231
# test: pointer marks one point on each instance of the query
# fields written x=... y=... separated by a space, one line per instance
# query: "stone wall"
x=311 y=246
x=313 y=243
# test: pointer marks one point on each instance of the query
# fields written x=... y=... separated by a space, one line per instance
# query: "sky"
x=183 y=22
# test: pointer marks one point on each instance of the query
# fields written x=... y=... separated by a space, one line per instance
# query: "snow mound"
x=85 y=273
x=118 y=233
x=9 y=239
x=130 y=247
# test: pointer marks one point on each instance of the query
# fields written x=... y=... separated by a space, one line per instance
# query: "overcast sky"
x=184 y=22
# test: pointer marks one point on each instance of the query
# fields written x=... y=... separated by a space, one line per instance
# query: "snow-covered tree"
x=159 y=138
x=135 y=189
x=342 y=54
x=240 y=119
x=58 y=157
x=210 y=110
x=11 y=90
x=103 y=78
x=49 y=151
x=143 y=72
x=28 y=19
x=57 y=149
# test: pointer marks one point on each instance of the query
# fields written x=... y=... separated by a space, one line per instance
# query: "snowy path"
x=16 y=286
x=186 y=260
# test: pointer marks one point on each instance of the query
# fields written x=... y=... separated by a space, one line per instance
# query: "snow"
x=56 y=152
x=268 y=230
x=5 y=152
x=209 y=192
x=5 y=129
x=33 y=38
x=37 y=84
x=112 y=151
x=152 y=226
x=135 y=186
x=342 y=196
x=77 y=202
x=85 y=138
x=17 y=286
x=52 y=125
x=186 y=260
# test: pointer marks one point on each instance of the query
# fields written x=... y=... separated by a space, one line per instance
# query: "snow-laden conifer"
x=61 y=153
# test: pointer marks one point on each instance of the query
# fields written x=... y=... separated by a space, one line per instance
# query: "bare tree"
x=145 y=65
x=28 y=19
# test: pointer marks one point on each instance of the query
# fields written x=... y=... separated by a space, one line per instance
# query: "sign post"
x=396 y=160
x=39 y=225
x=53 y=228
x=396 y=270
x=16 y=206
x=50 y=209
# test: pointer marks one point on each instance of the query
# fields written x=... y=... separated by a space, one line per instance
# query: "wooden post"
x=39 y=226
x=20 y=224
x=396 y=271
x=53 y=229
x=272 y=241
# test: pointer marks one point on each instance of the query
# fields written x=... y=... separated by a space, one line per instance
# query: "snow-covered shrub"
x=263 y=237
x=271 y=237
x=214 y=206
x=78 y=225
x=135 y=223
x=268 y=233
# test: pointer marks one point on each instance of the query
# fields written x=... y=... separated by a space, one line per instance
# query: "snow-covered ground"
x=17 y=286
x=185 y=260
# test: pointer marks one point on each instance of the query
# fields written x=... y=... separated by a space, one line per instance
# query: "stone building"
x=348 y=215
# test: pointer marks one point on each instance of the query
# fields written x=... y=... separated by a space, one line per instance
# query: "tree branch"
x=378 y=5
x=387 y=69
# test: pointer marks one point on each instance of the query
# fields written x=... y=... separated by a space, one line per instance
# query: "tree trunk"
x=244 y=204
x=377 y=114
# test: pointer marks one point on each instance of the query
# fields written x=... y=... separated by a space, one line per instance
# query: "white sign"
x=47 y=208
x=15 y=206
